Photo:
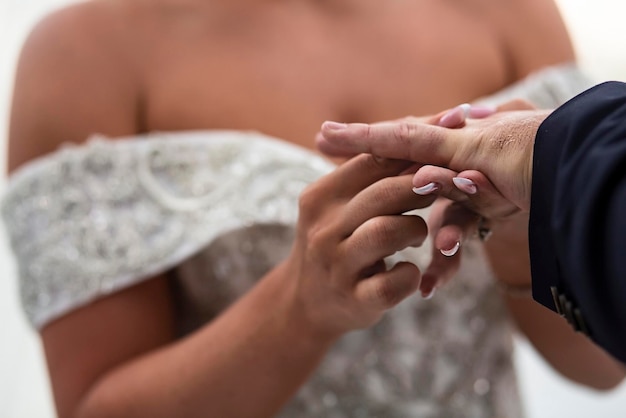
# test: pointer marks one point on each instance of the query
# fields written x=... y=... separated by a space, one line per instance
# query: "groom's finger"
x=404 y=140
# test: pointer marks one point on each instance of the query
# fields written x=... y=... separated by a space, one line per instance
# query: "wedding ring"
x=483 y=231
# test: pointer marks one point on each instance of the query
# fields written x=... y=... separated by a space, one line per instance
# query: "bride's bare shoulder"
x=75 y=76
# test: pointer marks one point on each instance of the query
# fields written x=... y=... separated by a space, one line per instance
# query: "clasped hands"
x=478 y=159
x=469 y=163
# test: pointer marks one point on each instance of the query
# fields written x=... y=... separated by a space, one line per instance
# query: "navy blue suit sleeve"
x=578 y=212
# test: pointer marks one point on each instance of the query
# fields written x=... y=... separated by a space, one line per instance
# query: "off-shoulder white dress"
x=216 y=210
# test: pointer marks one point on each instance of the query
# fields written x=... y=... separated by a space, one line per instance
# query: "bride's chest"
x=286 y=79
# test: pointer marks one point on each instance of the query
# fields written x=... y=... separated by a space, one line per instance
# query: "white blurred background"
x=599 y=34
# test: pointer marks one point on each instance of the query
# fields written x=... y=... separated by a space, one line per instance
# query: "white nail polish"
x=481 y=111
x=430 y=295
x=424 y=190
x=465 y=107
x=466 y=185
x=451 y=251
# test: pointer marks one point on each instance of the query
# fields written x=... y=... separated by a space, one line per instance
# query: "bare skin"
x=122 y=67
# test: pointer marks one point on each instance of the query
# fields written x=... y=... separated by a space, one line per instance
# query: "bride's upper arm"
x=74 y=79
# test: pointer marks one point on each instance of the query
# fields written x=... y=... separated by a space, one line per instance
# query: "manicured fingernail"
x=480 y=111
x=334 y=126
x=430 y=294
x=451 y=251
x=453 y=118
x=466 y=185
x=457 y=115
x=424 y=190
x=465 y=108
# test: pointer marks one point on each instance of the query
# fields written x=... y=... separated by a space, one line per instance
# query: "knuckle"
x=309 y=201
x=318 y=249
x=369 y=133
x=317 y=237
x=382 y=165
x=403 y=132
x=371 y=161
x=375 y=163
x=308 y=197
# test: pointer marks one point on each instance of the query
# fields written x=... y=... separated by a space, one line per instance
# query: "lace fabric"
x=90 y=220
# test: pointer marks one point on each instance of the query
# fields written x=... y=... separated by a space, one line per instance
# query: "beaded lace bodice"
x=216 y=209
x=89 y=220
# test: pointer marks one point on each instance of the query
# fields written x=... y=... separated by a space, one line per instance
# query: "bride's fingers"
x=450 y=225
x=470 y=187
x=387 y=288
x=357 y=174
x=382 y=236
x=451 y=118
x=430 y=179
x=516 y=104
x=456 y=116
x=439 y=272
x=389 y=196
x=444 y=263
x=482 y=195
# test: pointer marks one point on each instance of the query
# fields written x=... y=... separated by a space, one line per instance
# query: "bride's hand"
x=349 y=221
x=451 y=221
